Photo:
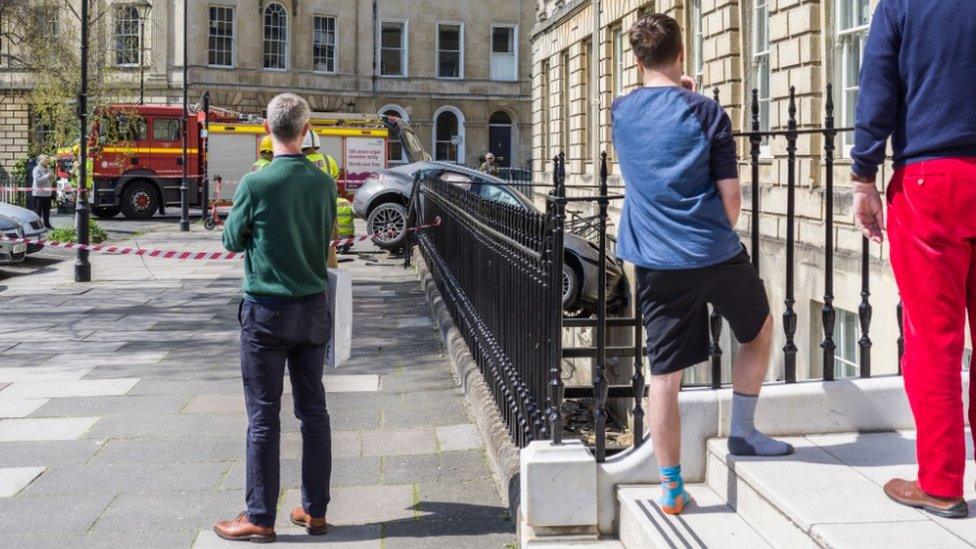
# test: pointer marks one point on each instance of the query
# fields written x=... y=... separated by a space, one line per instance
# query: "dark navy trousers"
x=276 y=332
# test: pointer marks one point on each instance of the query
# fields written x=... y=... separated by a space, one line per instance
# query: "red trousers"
x=932 y=229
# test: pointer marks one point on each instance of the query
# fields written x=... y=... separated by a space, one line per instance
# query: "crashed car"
x=384 y=197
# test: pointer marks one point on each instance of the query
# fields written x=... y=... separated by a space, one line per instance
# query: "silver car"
x=29 y=222
x=11 y=252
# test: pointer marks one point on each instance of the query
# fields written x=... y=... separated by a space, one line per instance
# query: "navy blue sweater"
x=918 y=84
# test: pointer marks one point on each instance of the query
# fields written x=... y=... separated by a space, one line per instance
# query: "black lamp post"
x=143 y=7
x=82 y=265
x=184 y=204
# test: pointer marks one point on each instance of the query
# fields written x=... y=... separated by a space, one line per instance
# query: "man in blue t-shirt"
x=677 y=157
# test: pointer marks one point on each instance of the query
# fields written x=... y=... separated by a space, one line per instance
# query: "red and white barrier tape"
x=173 y=254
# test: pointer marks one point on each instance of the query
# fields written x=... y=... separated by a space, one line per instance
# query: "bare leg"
x=665 y=418
x=752 y=362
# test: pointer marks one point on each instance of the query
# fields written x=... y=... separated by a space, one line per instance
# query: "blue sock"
x=673 y=494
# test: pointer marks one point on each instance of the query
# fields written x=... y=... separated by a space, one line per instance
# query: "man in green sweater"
x=282 y=220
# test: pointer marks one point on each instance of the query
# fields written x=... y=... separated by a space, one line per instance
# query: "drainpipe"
x=594 y=56
x=376 y=23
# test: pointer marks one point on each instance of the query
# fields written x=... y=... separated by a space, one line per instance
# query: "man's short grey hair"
x=287 y=116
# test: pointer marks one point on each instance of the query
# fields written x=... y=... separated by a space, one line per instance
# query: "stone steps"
x=707 y=522
x=827 y=494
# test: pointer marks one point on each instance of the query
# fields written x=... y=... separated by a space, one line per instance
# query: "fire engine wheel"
x=106 y=212
x=387 y=222
x=140 y=200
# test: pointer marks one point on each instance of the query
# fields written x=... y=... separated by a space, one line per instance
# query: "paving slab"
x=20 y=515
x=127 y=405
x=339 y=537
x=33 y=429
x=48 y=452
x=19 y=407
x=14 y=479
x=398 y=443
x=133 y=478
x=33 y=372
x=451 y=438
x=77 y=388
x=360 y=504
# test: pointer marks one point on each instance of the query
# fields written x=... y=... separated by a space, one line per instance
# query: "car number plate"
x=20 y=248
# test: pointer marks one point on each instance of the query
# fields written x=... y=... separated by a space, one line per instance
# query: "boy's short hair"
x=656 y=39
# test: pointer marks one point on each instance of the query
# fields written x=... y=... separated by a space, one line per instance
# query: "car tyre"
x=106 y=212
x=387 y=223
x=571 y=287
x=140 y=200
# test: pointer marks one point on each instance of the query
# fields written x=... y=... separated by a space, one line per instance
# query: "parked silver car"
x=29 y=222
x=11 y=252
x=384 y=197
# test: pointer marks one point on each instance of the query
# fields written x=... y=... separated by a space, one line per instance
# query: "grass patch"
x=96 y=235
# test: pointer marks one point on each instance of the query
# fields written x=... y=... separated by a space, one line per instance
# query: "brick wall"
x=14 y=134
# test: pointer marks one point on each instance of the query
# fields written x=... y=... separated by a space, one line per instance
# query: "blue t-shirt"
x=672 y=145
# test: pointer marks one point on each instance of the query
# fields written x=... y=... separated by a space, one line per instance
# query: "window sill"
x=392 y=76
x=222 y=67
x=449 y=78
x=326 y=73
x=265 y=69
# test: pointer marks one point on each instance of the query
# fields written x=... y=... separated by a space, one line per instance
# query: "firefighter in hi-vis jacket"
x=310 y=148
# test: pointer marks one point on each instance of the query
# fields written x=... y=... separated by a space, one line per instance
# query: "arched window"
x=501 y=137
x=395 y=149
x=275 y=37
x=449 y=135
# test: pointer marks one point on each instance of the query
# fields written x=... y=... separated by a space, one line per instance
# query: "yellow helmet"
x=265 y=144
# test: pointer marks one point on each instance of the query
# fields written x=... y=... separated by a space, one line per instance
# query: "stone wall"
x=14 y=136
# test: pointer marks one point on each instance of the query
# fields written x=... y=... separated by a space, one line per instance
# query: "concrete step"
x=707 y=522
x=829 y=494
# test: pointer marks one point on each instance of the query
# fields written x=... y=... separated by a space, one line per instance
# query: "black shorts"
x=675 y=309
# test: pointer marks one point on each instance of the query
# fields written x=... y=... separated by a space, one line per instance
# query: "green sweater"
x=282 y=218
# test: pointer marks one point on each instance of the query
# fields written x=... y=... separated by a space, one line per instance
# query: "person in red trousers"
x=918 y=86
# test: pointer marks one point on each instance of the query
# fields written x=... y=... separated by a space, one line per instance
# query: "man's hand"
x=868 y=210
x=688 y=83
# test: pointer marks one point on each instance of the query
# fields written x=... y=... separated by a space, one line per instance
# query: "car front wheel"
x=571 y=286
x=387 y=223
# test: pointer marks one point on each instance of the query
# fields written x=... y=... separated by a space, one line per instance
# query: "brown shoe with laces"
x=907 y=492
x=242 y=529
x=314 y=526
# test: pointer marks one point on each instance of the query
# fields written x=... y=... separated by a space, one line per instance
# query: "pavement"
x=122 y=420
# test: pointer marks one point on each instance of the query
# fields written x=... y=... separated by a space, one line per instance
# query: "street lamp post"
x=143 y=7
x=184 y=204
x=82 y=265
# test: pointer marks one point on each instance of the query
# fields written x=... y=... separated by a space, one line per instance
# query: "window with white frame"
x=617 y=61
x=760 y=66
x=127 y=36
x=220 y=41
x=546 y=114
x=846 y=338
x=450 y=50
x=564 y=99
x=275 y=37
x=504 y=53
x=853 y=22
x=393 y=48
x=324 y=44
x=697 y=37
x=47 y=21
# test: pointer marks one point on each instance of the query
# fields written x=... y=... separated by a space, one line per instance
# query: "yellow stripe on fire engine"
x=147 y=150
x=253 y=129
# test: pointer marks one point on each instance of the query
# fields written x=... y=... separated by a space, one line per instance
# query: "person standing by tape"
x=281 y=219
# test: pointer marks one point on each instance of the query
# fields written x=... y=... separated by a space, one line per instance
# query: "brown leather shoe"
x=242 y=529
x=907 y=492
x=314 y=526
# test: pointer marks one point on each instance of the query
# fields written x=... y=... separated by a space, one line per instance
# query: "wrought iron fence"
x=499 y=270
x=496 y=267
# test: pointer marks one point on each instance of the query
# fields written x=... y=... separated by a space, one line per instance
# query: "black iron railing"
x=499 y=269
x=496 y=267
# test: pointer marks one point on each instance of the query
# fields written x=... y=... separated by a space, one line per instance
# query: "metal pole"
x=82 y=265
x=789 y=316
x=184 y=204
x=828 y=314
x=205 y=156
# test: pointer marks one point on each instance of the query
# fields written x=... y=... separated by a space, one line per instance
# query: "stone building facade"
x=734 y=46
x=458 y=71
